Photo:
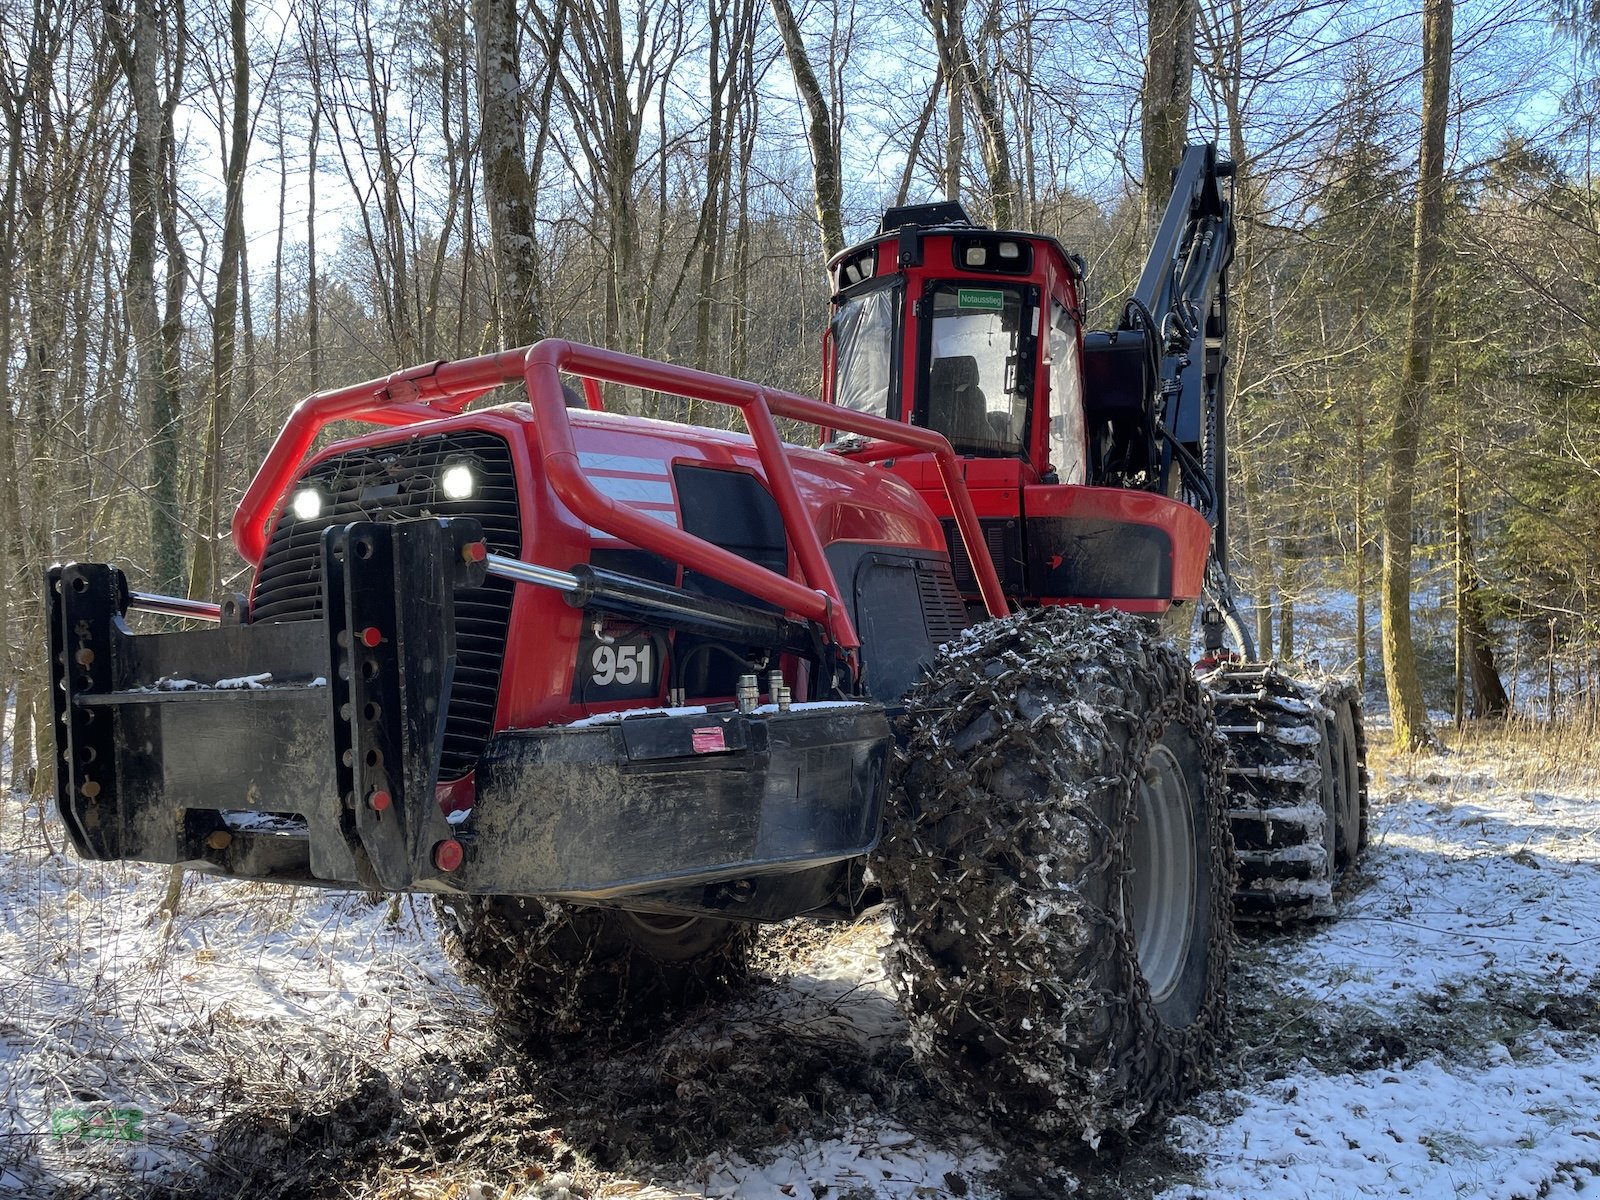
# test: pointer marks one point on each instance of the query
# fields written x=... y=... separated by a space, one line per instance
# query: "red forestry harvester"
x=619 y=690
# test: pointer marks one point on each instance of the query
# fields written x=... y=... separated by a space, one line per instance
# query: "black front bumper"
x=326 y=773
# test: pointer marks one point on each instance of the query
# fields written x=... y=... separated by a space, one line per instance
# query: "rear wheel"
x=1160 y=895
x=1058 y=849
x=1283 y=802
x=564 y=968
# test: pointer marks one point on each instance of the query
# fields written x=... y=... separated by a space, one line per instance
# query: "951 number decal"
x=625 y=666
x=622 y=664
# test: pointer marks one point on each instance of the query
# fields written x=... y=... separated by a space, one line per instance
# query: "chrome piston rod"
x=175 y=606
x=522 y=572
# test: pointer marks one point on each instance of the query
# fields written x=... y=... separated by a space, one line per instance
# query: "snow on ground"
x=124 y=1038
x=1441 y=1037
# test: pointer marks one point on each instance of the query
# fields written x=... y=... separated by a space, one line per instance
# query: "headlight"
x=307 y=504
x=458 y=482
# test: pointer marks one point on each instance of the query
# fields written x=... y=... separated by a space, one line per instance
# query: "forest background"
x=211 y=208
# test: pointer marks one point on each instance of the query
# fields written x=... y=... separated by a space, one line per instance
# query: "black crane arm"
x=1182 y=303
x=1173 y=327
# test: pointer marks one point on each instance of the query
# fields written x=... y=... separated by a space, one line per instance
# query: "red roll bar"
x=441 y=389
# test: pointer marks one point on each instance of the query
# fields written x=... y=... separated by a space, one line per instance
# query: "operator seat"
x=957 y=407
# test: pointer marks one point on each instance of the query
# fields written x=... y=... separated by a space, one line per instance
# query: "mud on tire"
x=561 y=968
x=1059 y=851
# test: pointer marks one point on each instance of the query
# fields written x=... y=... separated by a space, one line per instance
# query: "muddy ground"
x=1440 y=1036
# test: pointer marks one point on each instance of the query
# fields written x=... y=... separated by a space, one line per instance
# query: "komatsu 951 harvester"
x=617 y=690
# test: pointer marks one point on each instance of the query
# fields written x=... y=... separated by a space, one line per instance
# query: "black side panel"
x=1118 y=388
x=1087 y=558
x=905 y=605
x=735 y=511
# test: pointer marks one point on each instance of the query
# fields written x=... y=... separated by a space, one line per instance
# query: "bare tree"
x=1168 y=90
x=613 y=66
x=151 y=45
x=510 y=183
x=58 y=319
x=968 y=83
x=822 y=131
x=204 y=574
x=1408 y=710
x=358 y=50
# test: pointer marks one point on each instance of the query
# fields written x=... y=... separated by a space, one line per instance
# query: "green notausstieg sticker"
x=981 y=299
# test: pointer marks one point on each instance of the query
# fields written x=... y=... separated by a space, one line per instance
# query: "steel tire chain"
x=1286 y=873
x=1019 y=975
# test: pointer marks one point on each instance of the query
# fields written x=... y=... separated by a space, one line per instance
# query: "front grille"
x=397 y=482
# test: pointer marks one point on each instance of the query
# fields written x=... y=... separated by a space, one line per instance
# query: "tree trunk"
x=914 y=150
x=1488 y=693
x=313 y=309
x=204 y=570
x=1407 y=708
x=961 y=69
x=15 y=621
x=1360 y=536
x=509 y=191
x=827 y=175
x=1168 y=88
x=151 y=197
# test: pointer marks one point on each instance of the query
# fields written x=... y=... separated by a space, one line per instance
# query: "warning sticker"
x=708 y=741
x=981 y=299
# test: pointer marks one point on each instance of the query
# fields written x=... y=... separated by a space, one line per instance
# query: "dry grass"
x=1536 y=755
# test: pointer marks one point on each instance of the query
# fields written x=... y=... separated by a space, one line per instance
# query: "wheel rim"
x=1159 y=892
x=660 y=924
x=1348 y=773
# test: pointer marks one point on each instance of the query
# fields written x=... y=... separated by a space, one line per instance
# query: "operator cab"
x=977 y=333
x=991 y=317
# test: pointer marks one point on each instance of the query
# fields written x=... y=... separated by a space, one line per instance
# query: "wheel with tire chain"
x=1059 y=855
x=1297 y=785
x=565 y=968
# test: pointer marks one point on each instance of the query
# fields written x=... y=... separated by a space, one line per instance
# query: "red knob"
x=448 y=855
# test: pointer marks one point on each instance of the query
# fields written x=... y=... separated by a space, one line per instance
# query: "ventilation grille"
x=944 y=612
x=1005 y=549
x=398 y=482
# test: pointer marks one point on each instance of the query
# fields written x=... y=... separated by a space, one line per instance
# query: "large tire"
x=1058 y=848
x=1282 y=803
x=1297 y=801
x=561 y=968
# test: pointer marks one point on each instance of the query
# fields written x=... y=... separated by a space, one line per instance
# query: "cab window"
x=980 y=339
x=864 y=349
x=1068 y=456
